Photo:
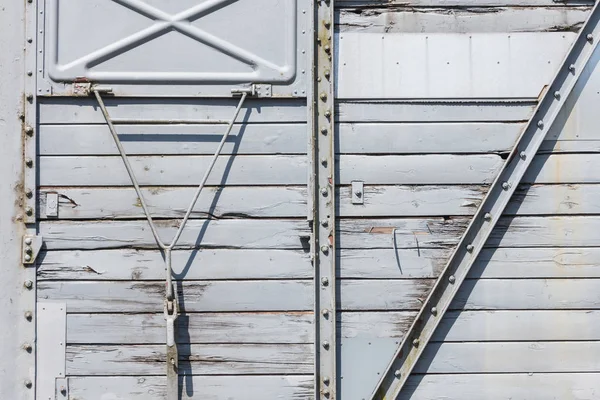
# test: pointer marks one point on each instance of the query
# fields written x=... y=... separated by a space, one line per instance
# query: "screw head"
x=451 y=279
x=28 y=284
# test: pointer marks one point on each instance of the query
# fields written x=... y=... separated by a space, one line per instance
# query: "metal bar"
x=488 y=214
x=324 y=201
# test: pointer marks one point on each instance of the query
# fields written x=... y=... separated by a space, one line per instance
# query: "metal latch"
x=255 y=90
x=31 y=247
x=358 y=192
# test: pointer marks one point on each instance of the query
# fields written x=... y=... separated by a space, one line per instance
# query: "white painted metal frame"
x=324 y=201
x=488 y=214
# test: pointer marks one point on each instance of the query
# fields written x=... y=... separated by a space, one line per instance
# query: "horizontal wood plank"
x=209 y=264
x=459 y=3
x=55 y=140
x=293 y=387
x=64 y=110
x=507 y=357
x=173 y=202
x=359 y=295
x=198 y=359
x=525 y=386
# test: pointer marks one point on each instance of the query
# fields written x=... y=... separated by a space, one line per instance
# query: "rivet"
x=325 y=281
x=324 y=131
x=557 y=94
x=451 y=279
x=572 y=67
x=325 y=313
x=29 y=211
x=27 y=347
x=30 y=97
x=397 y=373
x=28 y=241
x=327 y=73
x=326 y=392
x=172 y=361
x=29 y=130
x=589 y=37
x=28 y=284
x=29 y=40
x=327 y=114
x=325 y=344
x=27 y=257
x=326 y=380
x=28 y=250
x=324 y=161
x=327 y=49
x=29 y=162
x=434 y=310
x=325 y=249
x=358 y=193
x=523 y=155
x=540 y=124
x=28 y=315
x=325 y=223
x=28 y=383
x=416 y=342
x=487 y=216
x=327 y=24
x=470 y=247
x=323 y=96
x=29 y=193
x=324 y=192
x=505 y=185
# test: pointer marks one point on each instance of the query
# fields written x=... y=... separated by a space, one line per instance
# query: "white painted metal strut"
x=324 y=201
x=488 y=214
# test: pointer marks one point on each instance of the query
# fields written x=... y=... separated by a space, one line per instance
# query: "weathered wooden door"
x=368 y=135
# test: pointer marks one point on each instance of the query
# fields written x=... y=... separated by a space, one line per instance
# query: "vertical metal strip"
x=444 y=290
x=29 y=212
x=324 y=222
x=51 y=345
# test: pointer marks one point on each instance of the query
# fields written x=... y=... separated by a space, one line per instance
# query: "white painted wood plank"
x=470 y=137
x=197 y=359
x=448 y=65
x=435 y=111
x=464 y=20
x=421 y=169
x=173 y=202
x=288 y=387
x=230 y=233
x=195 y=296
x=365 y=295
x=479 y=326
x=172 y=139
x=172 y=170
x=526 y=386
x=492 y=263
x=459 y=3
x=59 y=110
x=192 y=328
x=506 y=357
x=208 y=264
x=563 y=168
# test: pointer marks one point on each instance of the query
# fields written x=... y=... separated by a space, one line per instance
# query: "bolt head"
x=324 y=191
x=28 y=284
x=327 y=49
x=416 y=342
x=324 y=223
x=323 y=96
x=589 y=37
x=451 y=279
x=327 y=114
x=27 y=257
x=324 y=131
x=326 y=380
x=28 y=315
x=29 y=130
x=358 y=193
x=325 y=281
x=397 y=373
x=434 y=310
x=557 y=94
x=325 y=344
x=540 y=124
x=572 y=67
x=326 y=392
x=29 y=162
x=327 y=24
x=505 y=185
x=325 y=312
x=28 y=250
x=470 y=247
x=27 y=347
x=487 y=216
x=30 y=97
x=28 y=384
x=29 y=193
x=325 y=249
x=29 y=211
x=523 y=155
x=28 y=241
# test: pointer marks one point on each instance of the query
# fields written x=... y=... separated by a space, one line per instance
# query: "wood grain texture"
x=507 y=357
x=229 y=233
x=526 y=386
x=463 y=20
x=286 y=387
x=198 y=359
x=63 y=110
x=59 y=140
x=173 y=202
x=209 y=264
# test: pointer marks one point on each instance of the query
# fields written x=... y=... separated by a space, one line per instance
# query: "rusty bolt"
x=28 y=315
x=28 y=383
x=325 y=281
x=29 y=162
x=29 y=211
x=29 y=130
x=325 y=344
x=470 y=247
x=451 y=279
x=28 y=284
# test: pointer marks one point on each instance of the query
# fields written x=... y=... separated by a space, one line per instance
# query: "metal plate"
x=51 y=347
x=138 y=46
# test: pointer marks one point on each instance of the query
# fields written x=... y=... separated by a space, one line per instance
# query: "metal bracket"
x=30 y=248
x=62 y=389
x=262 y=90
x=485 y=219
x=358 y=192
x=52 y=205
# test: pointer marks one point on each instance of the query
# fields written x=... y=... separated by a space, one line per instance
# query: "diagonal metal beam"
x=488 y=214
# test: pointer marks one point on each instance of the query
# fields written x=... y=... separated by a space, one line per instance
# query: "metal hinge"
x=31 y=247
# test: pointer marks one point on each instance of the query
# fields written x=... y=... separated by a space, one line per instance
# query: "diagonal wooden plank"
x=576 y=64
